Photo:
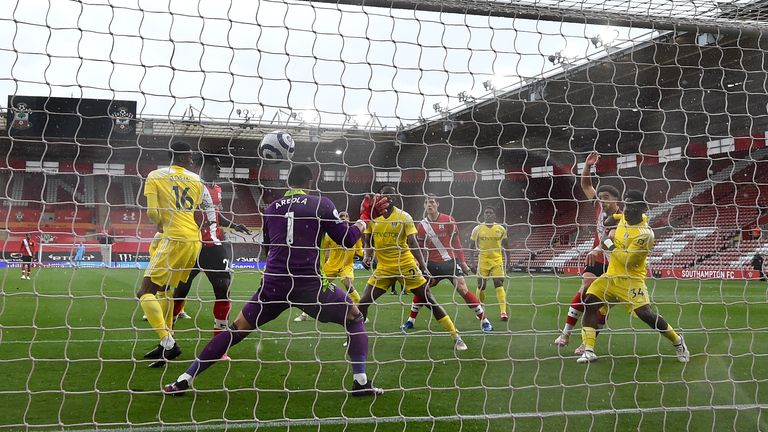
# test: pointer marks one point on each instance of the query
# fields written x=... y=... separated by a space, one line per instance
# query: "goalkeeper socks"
x=448 y=326
x=501 y=295
x=358 y=345
x=151 y=307
x=481 y=295
x=588 y=337
x=361 y=378
x=415 y=307
x=216 y=348
x=355 y=296
x=672 y=335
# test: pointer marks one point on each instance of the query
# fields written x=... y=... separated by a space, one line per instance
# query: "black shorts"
x=444 y=270
x=598 y=269
x=214 y=261
x=26 y=259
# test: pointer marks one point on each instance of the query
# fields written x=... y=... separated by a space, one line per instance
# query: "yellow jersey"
x=389 y=237
x=178 y=192
x=337 y=257
x=632 y=244
x=488 y=240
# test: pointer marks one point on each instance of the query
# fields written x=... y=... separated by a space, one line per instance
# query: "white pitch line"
x=169 y=427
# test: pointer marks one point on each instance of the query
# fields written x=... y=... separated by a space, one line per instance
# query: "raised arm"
x=586 y=175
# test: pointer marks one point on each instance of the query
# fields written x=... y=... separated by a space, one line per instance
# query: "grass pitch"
x=71 y=347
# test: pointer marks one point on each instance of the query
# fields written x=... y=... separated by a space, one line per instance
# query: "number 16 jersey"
x=179 y=192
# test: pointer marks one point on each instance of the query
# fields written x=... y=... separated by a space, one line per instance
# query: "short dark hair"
x=387 y=185
x=610 y=189
x=300 y=175
x=634 y=198
x=486 y=208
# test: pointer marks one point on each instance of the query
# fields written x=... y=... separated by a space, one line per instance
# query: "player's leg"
x=334 y=305
x=460 y=284
x=257 y=312
x=658 y=323
x=437 y=310
x=374 y=288
x=480 y=293
x=152 y=303
x=418 y=302
x=576 y=309
x=501 y=294
x=592 y=305
x=181 y=292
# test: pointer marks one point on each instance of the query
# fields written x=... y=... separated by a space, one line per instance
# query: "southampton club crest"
x=122 y=120
x=21 y=114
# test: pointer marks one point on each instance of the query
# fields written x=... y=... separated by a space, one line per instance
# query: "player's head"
x=609 y=198
x=390 y=193
x=634 y=206
x=300 y=177
x=210 y=167
x=27 y=236
x=344 y=216
x=181 y=154
x=431 y=205
x=489 y=214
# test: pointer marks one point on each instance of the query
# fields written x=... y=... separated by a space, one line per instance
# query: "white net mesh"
x=479 y=103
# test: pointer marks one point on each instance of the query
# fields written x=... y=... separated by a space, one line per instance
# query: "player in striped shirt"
x=27 y=250
x=606 y=199
x=214 y=259
x=439 y=235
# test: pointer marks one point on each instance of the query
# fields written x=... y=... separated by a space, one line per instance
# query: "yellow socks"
x=481 y=295
x=501 y=295
x=354 y=296
x=671 y=335
x=154 y=312
x=588 y=337
x=448 y=326
x=166 y=302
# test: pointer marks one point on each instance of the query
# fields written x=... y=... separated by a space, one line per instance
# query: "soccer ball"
x=277 y=145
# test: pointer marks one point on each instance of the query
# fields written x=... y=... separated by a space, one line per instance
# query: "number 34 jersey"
x=179 y=192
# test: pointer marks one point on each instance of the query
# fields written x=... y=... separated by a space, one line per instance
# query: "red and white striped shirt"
x=440 y=238
x=211 y=231
x=27 y=247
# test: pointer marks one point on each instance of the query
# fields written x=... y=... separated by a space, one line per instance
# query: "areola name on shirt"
x=291 y=200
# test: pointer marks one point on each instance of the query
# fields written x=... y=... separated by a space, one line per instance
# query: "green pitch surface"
x=72 y=344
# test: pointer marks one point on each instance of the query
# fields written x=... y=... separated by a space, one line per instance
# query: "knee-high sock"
x=166 y=303
x=418 y=302
x=448 y=326
x=216 y=348
x=355 y=296
x=154 y=312
x=501 y=295
x=358 y=345
x=588 y=337
x=221 y=315
x=178 y=306
x=671 y=334
x=474 y=303
x=481 y=295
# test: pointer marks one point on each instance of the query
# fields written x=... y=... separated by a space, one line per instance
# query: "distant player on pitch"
x=624 y=281
x=28 y=248
x=606 y=205
x=490 y=241
x=439 y=235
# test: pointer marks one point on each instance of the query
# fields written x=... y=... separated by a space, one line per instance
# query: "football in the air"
x=277 y=145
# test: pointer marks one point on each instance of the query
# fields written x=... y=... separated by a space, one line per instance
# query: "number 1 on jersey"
x=289 y=228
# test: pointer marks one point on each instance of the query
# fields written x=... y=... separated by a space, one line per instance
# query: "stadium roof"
x=666 y=92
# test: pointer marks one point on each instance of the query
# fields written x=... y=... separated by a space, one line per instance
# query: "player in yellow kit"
x=173 y=195
x=490 y=241
x=624 y=281
x=339 y=263
x=392 y=238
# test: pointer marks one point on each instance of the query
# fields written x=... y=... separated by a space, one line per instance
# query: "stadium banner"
x=677 y=273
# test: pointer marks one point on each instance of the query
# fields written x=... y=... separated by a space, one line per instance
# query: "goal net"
x=478 y=104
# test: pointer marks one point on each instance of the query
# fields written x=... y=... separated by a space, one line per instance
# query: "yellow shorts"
x=490 y=270
x=409 y=276
x=171 y=261
x=632 y=293
x=344 y=272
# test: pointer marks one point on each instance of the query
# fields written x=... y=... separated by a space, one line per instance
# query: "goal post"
x=66 y=255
